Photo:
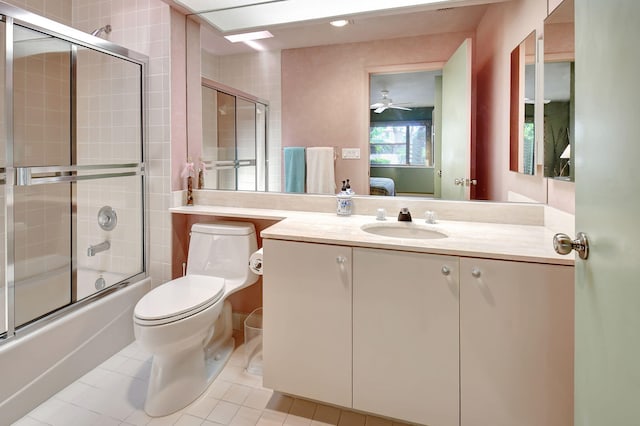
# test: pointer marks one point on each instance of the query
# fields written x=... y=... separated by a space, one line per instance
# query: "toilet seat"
x=178 y=299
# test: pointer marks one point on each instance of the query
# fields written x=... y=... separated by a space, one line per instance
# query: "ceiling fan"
x=386 y=102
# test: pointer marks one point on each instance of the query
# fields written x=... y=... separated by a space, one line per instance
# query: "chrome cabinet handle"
x=445 y=270
x=341 y=260
x=476 y=272
x=563 y=244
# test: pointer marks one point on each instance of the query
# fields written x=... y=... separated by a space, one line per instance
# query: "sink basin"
x=402 y=230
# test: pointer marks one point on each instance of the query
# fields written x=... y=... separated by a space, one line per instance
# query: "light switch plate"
x=350 y=153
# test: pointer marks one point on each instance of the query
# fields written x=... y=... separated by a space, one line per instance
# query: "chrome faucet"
x=404 y=215
x=93 y=250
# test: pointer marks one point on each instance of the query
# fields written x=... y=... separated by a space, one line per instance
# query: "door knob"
x=563 y=244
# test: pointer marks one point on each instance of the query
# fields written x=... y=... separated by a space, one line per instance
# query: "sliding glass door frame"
x=11 y=176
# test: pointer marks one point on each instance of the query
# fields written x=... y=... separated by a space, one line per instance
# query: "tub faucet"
x=93 y=250
x=404 y=215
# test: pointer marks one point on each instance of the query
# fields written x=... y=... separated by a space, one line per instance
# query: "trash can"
x=253 y=342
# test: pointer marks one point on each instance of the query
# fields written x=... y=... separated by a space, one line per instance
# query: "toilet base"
x=178 y=380
x=218 y=360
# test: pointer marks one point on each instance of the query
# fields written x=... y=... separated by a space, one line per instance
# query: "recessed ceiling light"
x=257 y=35
x=340 y=22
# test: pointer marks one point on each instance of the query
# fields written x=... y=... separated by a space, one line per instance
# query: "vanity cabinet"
x=430 y=339
x=307 y=320
x=405 y=335
x=516 y=343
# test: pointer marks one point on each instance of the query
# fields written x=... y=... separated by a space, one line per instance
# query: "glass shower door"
x=108 y=134
x=77 y=152
x=41 y=137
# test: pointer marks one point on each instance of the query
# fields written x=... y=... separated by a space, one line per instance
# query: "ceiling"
x=414 y=88
x=443 y=17
x=244 y=15
x=411 y=89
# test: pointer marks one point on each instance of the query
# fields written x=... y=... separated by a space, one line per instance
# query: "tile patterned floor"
x=114 y=392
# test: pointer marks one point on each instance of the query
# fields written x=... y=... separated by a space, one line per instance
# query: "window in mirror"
x=523 y=95
x=559 y=95
x=401 y=144
x=402 y=129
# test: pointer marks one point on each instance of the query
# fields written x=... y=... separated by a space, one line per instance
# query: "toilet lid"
x=179 y=298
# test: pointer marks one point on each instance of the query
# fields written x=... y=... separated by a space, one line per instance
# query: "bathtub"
x=42 y=292
x=90 y=281
x=42 y=360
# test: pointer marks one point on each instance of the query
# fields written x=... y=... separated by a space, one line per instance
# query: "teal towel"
x=294 y=169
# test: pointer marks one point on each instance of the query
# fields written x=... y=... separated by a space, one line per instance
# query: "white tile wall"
x=58 y=10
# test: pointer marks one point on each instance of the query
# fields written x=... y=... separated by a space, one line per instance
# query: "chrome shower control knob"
x=476 y=272
x=445 y=270
x=107 y=218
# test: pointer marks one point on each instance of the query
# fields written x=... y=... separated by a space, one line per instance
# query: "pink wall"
x=186 y=135
x=178 y=99
x=325 y=92
x=502 y=28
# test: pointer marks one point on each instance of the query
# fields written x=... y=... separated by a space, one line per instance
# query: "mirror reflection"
x=559 y=97
x=317 y=82
x=317 y=99
x=523 y=95
x=234 y=141
x=401 y=132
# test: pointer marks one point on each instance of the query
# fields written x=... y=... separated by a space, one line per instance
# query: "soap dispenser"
x=345 y=201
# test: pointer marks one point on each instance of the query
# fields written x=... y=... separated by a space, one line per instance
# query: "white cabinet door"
x=516 y=343
x=307 y=320
x=405 y=336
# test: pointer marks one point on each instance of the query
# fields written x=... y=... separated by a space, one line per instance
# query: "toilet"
x=186 y=323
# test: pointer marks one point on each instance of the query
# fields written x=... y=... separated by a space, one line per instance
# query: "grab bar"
x=26 y=176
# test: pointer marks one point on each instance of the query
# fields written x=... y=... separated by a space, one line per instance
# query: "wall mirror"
x=522 y=132
x=559 y=97
x=317 y=81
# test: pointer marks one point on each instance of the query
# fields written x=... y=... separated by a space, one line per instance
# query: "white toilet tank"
x=222 y=249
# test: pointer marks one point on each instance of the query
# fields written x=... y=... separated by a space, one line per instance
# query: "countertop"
x=525 y=243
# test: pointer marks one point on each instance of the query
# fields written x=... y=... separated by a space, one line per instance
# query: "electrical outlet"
x=350 y=153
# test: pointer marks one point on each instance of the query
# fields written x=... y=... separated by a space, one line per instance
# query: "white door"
x=607 y=359
x=456 y=124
